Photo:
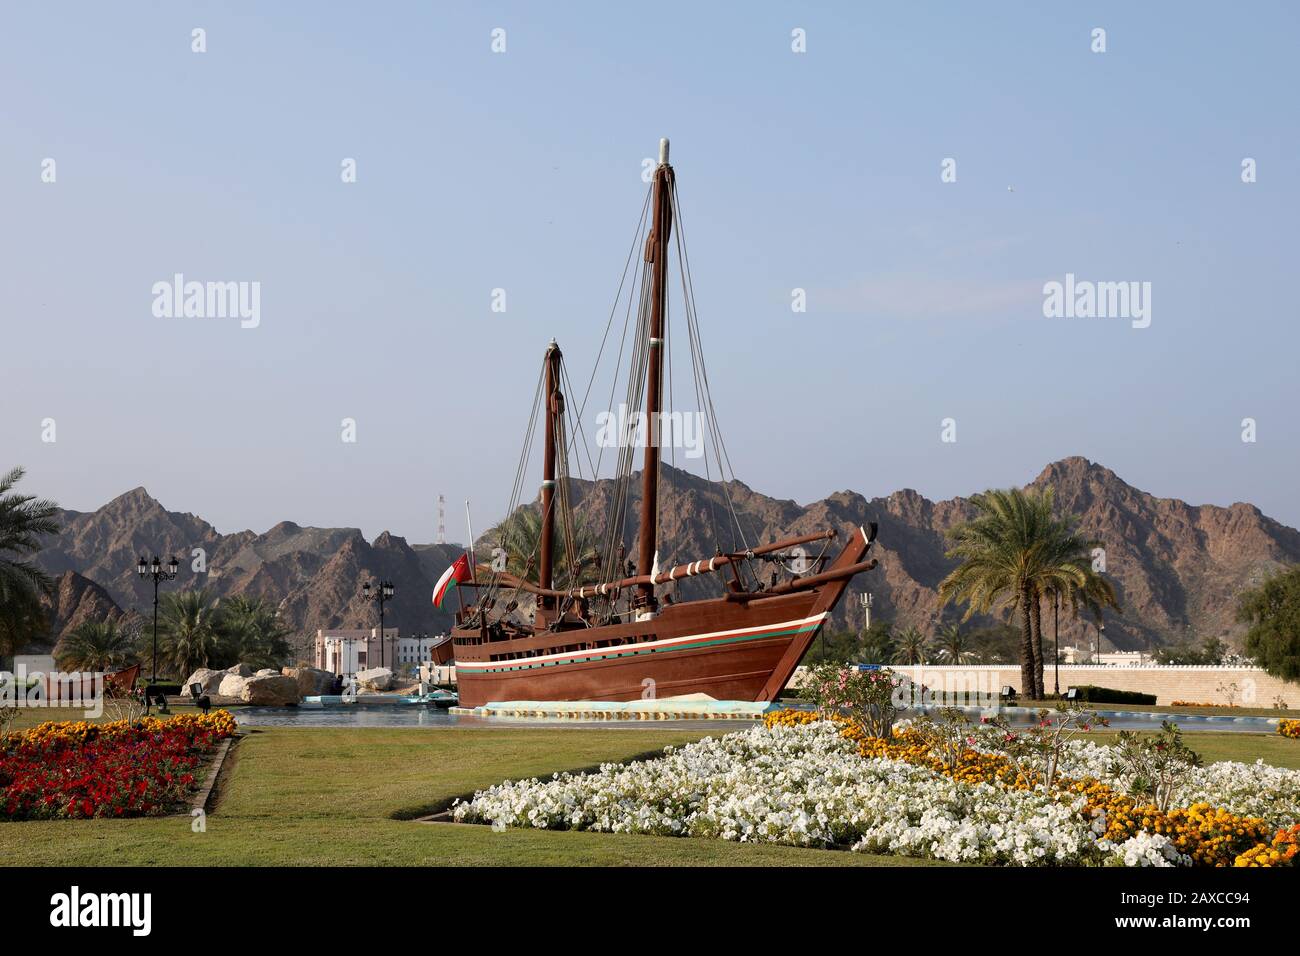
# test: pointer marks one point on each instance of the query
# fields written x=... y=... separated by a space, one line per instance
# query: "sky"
x=521 y=170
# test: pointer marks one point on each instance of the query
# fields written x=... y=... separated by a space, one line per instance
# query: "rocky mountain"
x=1177 y=567
x=76 y=599
x=314 y=575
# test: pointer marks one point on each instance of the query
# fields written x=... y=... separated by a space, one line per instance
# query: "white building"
x=1084 y=655
x=345 y=651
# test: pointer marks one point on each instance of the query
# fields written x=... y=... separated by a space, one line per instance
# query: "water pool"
x=388 y=715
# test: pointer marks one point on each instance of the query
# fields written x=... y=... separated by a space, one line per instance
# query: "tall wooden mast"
x=656 y=255
x=554 y=409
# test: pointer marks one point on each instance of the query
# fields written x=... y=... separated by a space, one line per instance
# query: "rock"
x=376 y=678
x=240 y=670
x=270 y=690
x=210 y=679
x=232 y=685
x=312 y=681
x=268 y=672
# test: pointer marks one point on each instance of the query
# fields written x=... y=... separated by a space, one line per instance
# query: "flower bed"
x=1289 y=728
x=1202 y=703
x=806 y=781
x=77 y=769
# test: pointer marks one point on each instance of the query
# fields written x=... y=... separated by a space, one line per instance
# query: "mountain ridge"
x=1178 y=567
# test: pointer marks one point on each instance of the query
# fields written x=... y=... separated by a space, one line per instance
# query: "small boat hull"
x=441 y=652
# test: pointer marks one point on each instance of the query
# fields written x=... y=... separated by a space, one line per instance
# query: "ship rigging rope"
x=510 y=524
x=616 y=525
x=595 y=366
x=626 y=424
x=704 y=394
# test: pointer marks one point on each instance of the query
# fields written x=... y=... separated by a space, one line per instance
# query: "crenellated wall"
x=1198 y=684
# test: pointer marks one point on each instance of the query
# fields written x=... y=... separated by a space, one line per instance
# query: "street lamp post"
x=154 y=569
x=382 y=591
x=1100 y=628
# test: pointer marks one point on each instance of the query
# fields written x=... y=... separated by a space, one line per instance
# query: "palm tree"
x=253 y=633
x=1004 y=552
x=877 y=645
x=96 y=646
x=189 y=631
x=1066 y=570
x=521 y=535
x=23 y=520
x=910 y=647
x=954 y=646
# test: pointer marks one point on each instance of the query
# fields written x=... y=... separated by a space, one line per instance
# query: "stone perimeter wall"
x=1194 y=684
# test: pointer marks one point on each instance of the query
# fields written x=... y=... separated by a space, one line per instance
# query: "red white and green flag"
x=458 y=573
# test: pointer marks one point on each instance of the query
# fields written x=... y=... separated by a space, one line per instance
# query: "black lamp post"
x=381 y=591
x=154 y=569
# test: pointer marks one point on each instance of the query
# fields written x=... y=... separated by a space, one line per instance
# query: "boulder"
x=210 y=679
x=240 y=670
x=270 y=690
x=268 y=672
x=312 y=681
x=232 y=685
x=375 y=678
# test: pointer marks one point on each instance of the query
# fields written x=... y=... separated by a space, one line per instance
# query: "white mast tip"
x=663 y=151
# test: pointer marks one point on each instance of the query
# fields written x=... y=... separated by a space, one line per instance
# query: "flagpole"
x=470 y=525
x=469 y=551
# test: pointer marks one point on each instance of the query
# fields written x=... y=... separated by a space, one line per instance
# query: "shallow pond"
x=381 y=715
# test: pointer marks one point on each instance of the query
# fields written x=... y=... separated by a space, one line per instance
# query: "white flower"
x=807 y=786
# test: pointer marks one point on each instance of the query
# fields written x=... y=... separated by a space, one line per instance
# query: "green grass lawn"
x=330 y=796
x=1247 y=748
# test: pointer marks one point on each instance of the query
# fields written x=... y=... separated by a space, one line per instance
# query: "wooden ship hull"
x=743 y=646
x=626 y=639
x=733 y=663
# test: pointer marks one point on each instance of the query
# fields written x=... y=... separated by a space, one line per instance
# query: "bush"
x=1159 y=764
x=865 y=696
x=1091 y=694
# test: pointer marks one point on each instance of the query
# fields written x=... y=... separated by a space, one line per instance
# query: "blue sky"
x=522 y=170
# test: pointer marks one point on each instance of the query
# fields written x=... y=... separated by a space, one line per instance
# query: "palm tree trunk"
x=1026 y=642
x=1038 y=646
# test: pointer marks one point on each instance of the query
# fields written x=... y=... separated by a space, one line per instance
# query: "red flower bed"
x=83 y=770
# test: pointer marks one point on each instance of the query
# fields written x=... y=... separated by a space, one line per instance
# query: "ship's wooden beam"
x=703 y=566
x=804 y=584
